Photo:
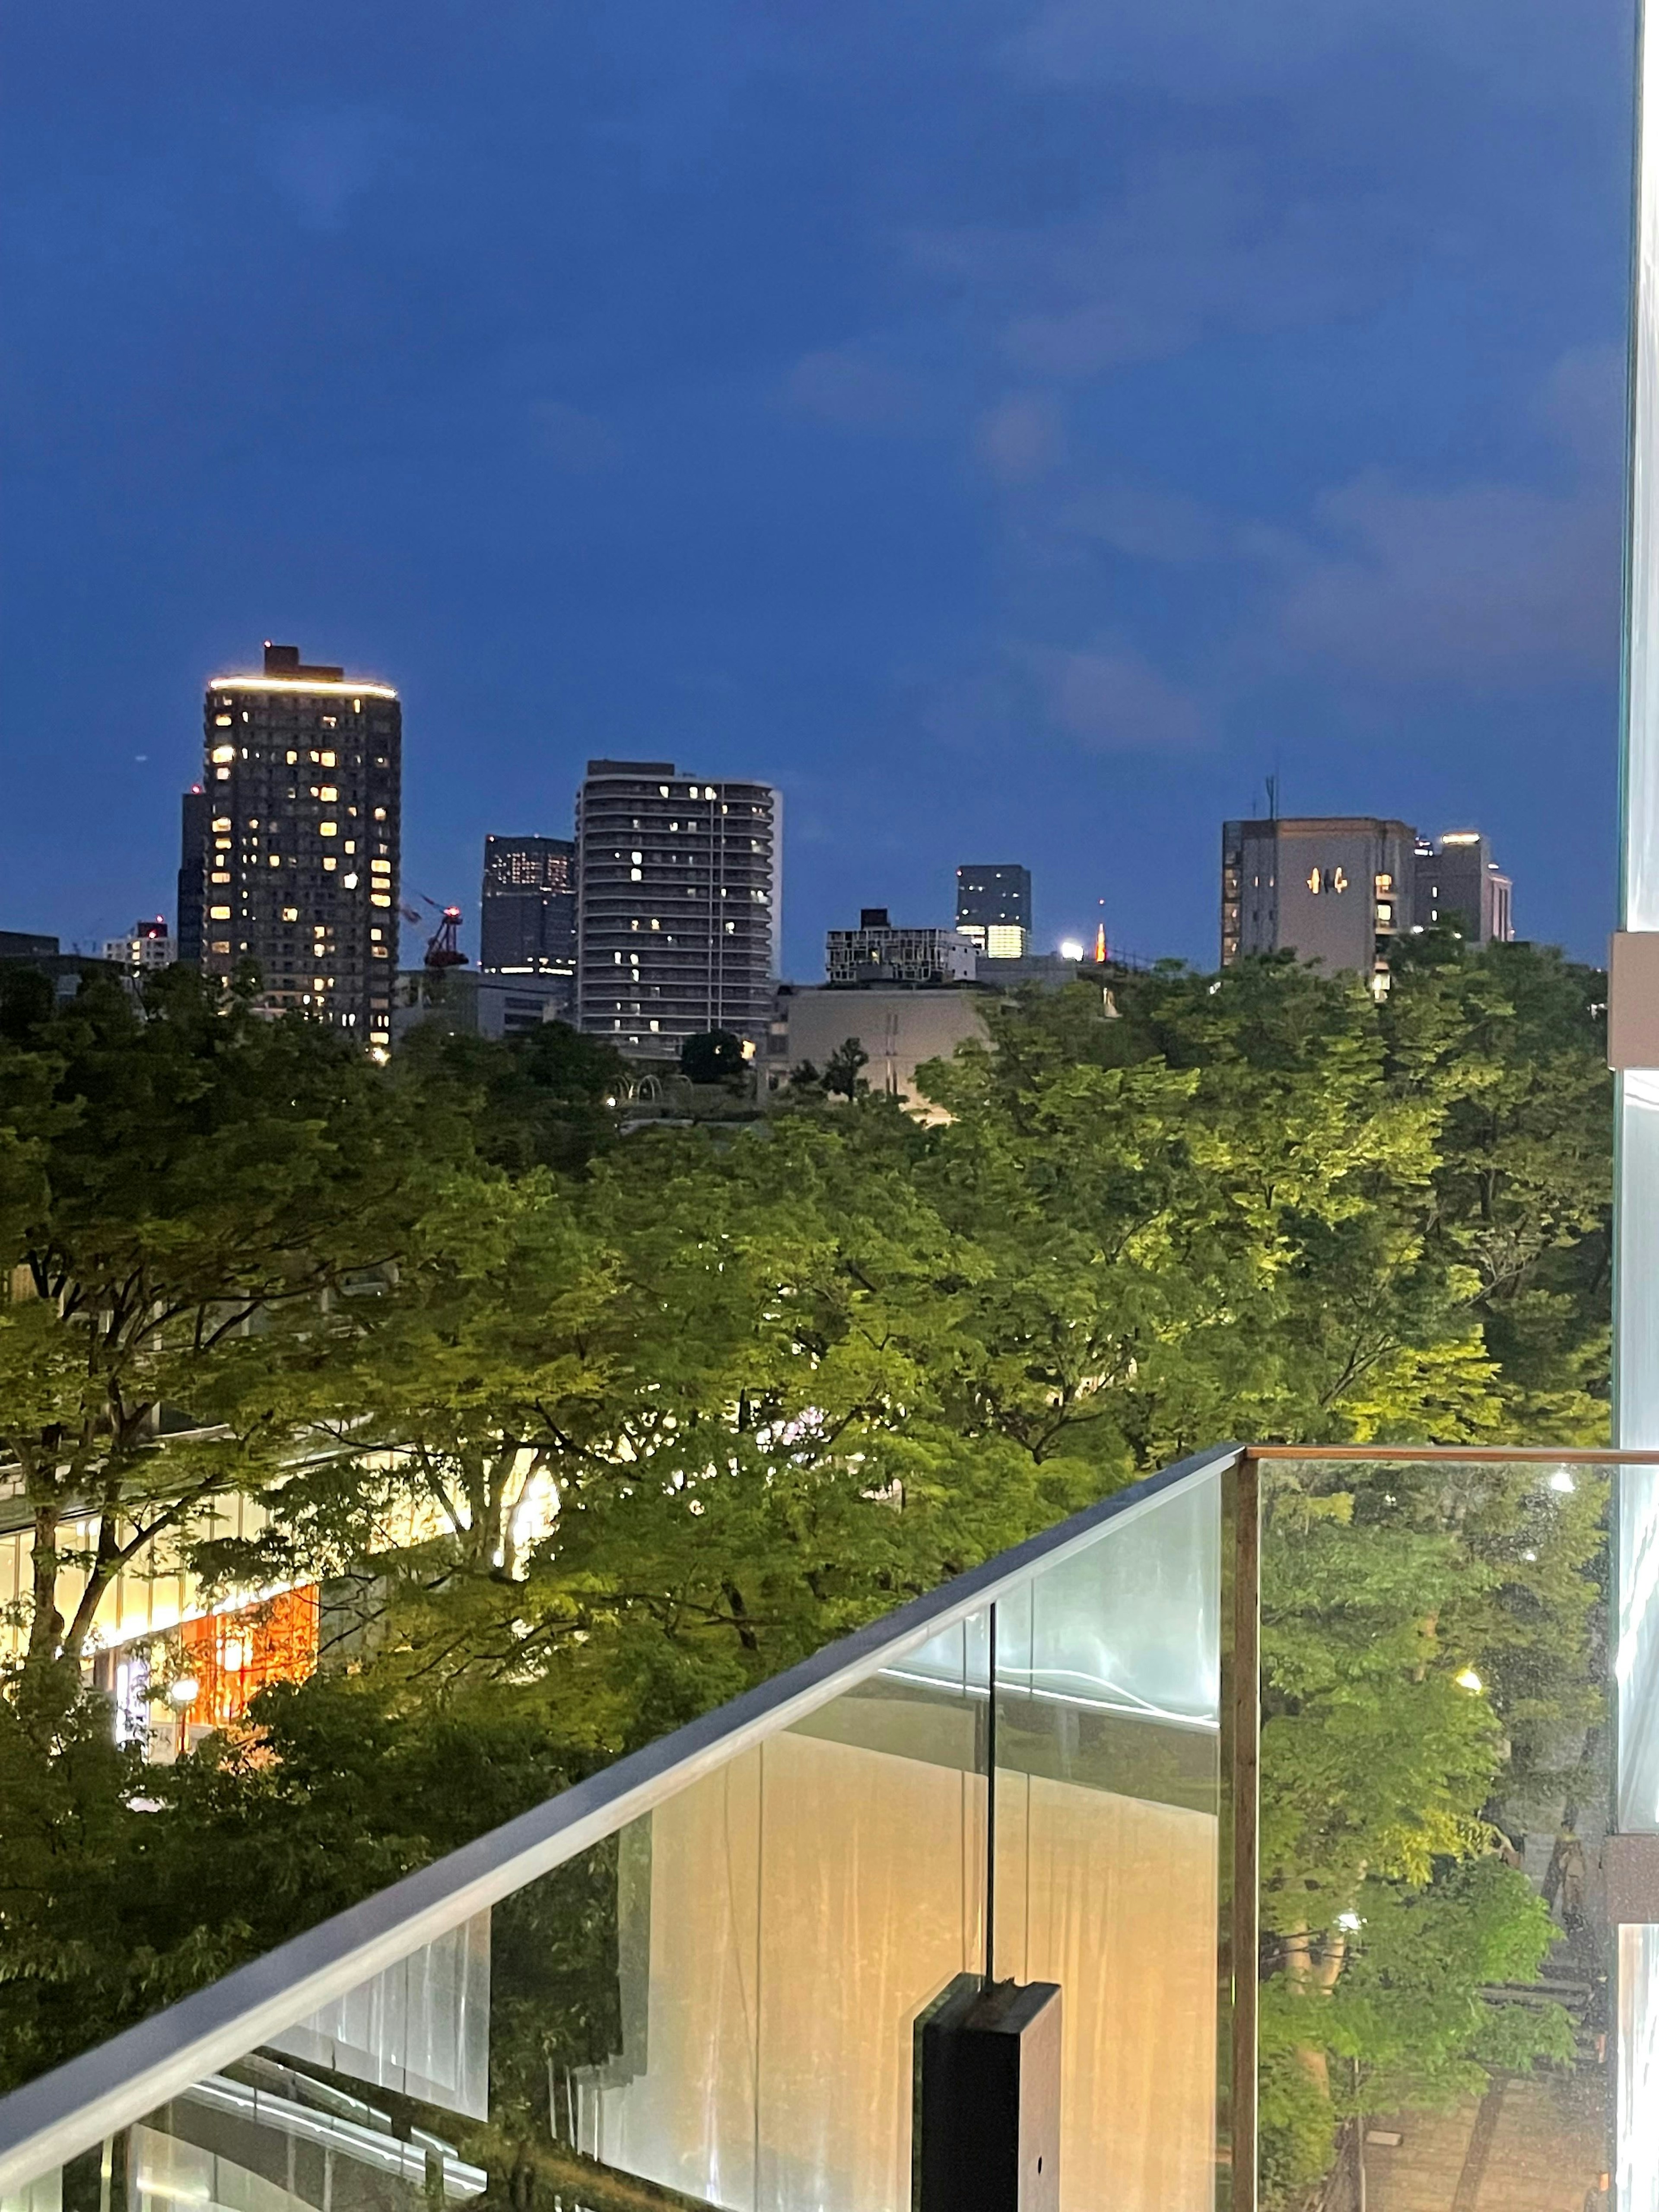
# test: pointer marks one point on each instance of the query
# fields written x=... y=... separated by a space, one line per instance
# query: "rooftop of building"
x=284 y=671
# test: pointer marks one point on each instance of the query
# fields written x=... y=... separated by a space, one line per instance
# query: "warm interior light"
x=185 y=1690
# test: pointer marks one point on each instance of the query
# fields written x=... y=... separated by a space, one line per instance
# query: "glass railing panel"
x=1108 y=1832
x=715 y=2006
x=1436 y=1959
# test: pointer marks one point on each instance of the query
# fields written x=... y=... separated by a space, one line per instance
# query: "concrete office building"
x=679 y=901
x=994 y=908
x=474 y=1002
x=1458 y=881
x=878 y=951
x=898 y=1028
x=301 y=780
x=527 y=912
x=147 y=945
x=1332 y=889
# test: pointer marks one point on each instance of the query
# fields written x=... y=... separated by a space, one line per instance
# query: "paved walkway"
x=1529 y=2146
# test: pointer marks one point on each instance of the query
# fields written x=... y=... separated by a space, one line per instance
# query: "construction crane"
x=441 y=948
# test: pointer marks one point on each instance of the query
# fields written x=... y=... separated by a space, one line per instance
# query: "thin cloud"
x=1021 y=438
x=852 y=390
x=1490 y=586
x=1111 y=699
x=322 y=159
x=1196 y=244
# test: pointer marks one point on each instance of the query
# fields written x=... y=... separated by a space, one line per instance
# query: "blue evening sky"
x=1015 y=426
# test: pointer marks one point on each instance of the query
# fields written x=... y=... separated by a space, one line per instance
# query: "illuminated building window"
x=220 y=945
x=328 y=829
x=222 y=721
x=219 y=913
x=330 y=863
x=224 y=752
x=328 y=791
x=290 y=913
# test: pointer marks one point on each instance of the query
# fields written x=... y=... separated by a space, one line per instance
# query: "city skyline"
x=1066 y=427
x=944 y=892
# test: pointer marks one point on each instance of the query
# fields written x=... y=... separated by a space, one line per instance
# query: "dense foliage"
x=586 y=1433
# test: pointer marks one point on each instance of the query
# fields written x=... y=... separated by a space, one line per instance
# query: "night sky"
x=1014 y=427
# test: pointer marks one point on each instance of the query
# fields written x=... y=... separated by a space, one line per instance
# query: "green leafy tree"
x=842 y=1071
x=194 y=1194
x=713 y=1056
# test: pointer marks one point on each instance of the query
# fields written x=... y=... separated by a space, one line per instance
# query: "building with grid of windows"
x=527 y=913
x=300 y=856
x=678 y=903
x=994 y=908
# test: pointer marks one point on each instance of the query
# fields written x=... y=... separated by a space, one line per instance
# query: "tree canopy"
x=583 y=1434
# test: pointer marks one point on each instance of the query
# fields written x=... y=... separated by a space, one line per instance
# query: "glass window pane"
x=1436 y=1959
x=1107 y=1829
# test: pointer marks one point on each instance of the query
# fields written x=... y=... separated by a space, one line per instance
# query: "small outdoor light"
x=185 y=1690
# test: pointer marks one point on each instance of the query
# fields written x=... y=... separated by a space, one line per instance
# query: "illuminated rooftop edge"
x=300 y=684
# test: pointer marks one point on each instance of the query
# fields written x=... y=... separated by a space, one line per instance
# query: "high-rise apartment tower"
x=679 y=905
x=993 y=906
x=301 y=782
x=527 y=914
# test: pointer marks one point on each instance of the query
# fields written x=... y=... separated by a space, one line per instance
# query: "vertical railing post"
x=1239 y=1841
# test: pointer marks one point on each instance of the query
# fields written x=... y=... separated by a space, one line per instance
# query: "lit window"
x=655 y=924
x=328 y=791
x=663 y=788
x=379 y=898
x=1384 y=911
x=290 y=913
x=636 y=875
x=381 y=867
x=380 y=814
x=221 y=822
x=222 y=721
x=330 y=863
x=656 y=1025
x=224 y=752
x=328 y=829
x=375 y=934
x=219 y=876
x=331 y=760
x=220 y=945
x=219 y=913
x=291 y=758
x=351 y=844
x=276 y=859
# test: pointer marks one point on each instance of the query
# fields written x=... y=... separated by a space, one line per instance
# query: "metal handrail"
x=78 y=2105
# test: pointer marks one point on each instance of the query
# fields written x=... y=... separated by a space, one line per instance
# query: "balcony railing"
x=1287 y=1766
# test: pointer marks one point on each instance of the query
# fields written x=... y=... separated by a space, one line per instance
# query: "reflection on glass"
x=717 y=2006
x=1108 y=1799
x=1435 y=1963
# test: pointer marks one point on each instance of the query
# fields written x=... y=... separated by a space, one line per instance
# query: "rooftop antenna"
x=1272 y=797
